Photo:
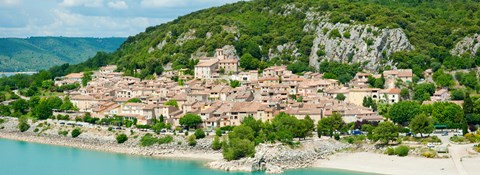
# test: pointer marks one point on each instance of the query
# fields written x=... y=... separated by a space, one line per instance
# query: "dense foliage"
x=190 y=120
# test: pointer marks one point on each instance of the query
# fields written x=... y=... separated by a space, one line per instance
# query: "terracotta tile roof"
x=206 y=63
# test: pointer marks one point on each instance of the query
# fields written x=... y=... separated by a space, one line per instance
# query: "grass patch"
x=358 y=139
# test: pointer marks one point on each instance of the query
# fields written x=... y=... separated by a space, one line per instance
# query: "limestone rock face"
x=365 y=44
x=469 y=44
x=230 y=52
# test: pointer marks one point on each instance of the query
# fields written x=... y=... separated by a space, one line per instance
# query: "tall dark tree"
x=467 y=104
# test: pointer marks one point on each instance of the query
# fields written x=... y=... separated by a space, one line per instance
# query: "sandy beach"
x=384 y=164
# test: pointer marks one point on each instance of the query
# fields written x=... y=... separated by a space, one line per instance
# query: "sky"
x=91 y=18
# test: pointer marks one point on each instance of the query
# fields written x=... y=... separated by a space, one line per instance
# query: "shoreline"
x=105 y=142
x=180 y=155
x=384 y=164
x=271 y=158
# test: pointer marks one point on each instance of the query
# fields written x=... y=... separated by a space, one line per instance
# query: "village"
x=211 y=94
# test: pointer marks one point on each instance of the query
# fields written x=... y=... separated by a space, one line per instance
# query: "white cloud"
x=86 y=3
x=162 y=3
x=9 y=2
x=118 y=4
x=93 y=18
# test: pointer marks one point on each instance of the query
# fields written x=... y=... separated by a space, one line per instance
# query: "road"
x=457 y=152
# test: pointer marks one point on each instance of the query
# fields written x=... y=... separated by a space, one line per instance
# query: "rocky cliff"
x=468 y=45
x=354 y=43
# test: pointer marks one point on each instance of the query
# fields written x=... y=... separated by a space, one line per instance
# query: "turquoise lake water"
x=23 y=158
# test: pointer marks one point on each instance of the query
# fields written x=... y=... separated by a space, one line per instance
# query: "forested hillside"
x=415 y=34
x=268 y=32
x=36 y=53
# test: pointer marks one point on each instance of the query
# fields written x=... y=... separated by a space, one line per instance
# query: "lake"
x=23 y=158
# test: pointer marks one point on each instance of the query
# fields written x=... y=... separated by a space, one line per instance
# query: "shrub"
x=334 y=34
x=148 y=140
x=76 y=132
x=192 y=141
x=218 y=132
x=390 y=151
x=346 y=34
x=35 y=130
x=199 y=134
x=402 y=150
x=63 y=133
x=429 y=153
x=336 y=136
x=2 y=120
x=472 y=137
x=216 y=145
x=457 y=139
x=23 y=125
x=110 y=128
x=121 y=138
x=165 y=140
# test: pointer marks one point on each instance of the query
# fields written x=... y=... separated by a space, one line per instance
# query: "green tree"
x=54 y=102
x=385 y=132
x=121 y=138
x=67 y=104
x=305 y=127
x=248 y=62
x=443 y=79
x=242 y=132
x=340 y=97
x=190 y=120
x=402 y=112
x=218 y=132
x=238 y=148
x=134 y=100
x=216 y=145
x=87 y=77
x=449 y=114
x=457 y=94
x=421 y=124
x=422 y=92
x=467 y=104
x=20 y=106
x=405 y=94
x=42 y=111
x=171 y=103
x=328 y=125
x=235 y=83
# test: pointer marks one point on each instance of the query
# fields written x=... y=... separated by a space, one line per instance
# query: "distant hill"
x=36 y=53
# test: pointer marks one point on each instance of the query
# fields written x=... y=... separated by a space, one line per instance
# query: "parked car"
x=356 y=132
x=430 y=145
x=445 y=133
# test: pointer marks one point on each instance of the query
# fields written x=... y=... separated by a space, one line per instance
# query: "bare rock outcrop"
x=469 y=44
x=274 y=158
x=356 y=43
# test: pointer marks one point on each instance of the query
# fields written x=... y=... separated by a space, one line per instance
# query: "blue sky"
x=92 y=18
